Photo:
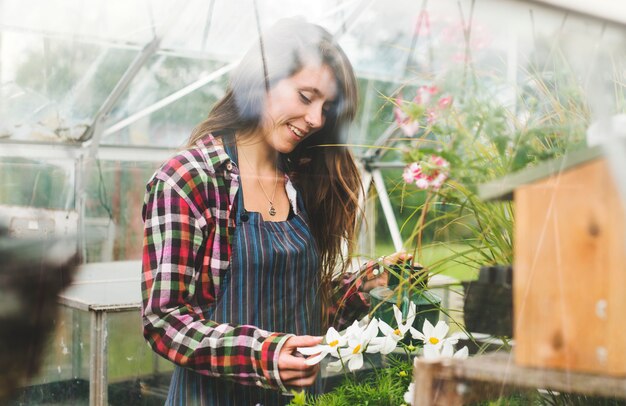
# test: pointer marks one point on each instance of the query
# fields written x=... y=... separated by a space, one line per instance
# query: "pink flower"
x=431 y=116
x=429 y=174
x=425 y=93
x=412 y=172
x=422 y=183
x=438 y=171
x=438 y=181
x=424 y=106
x=444 y=102
x=406 y=123
x=439 y=161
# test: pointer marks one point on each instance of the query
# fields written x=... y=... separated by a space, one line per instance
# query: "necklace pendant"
x=272 y=210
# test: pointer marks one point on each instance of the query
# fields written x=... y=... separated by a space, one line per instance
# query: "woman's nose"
x=315 y=116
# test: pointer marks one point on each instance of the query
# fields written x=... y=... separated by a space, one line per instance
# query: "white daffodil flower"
x=391 y=337
x=463 y=353
x=389 y=342
x=410 y=317
x=408 y=396
x=334 y=366
x=357 y=327
x=448 y=352
x=355 y=330
x=432 y=352
x=352 y=355
x=333 y=341
x=435 y=336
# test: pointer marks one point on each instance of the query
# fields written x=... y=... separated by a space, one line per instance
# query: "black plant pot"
x=488 y=306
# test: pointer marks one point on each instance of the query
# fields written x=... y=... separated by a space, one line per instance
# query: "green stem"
x=421 y=226
x=373 y=366
x=343 y=366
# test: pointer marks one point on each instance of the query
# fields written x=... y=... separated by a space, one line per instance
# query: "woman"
x=244 y=228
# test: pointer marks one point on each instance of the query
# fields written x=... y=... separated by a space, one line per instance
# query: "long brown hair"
x=321 y=166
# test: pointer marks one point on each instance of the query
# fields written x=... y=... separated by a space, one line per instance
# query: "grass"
x=382 y=387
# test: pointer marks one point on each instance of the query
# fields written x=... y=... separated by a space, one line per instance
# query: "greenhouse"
x=434 y=210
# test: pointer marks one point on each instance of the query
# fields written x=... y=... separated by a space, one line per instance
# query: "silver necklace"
x=272 y=210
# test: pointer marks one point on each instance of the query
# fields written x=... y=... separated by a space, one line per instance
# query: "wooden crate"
x=570 y=272
x=453 y=382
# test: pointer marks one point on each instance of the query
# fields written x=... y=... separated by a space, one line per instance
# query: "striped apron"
x=272 y=284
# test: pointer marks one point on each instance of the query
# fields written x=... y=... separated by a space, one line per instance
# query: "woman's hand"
x=291 y=367
x=377 y=275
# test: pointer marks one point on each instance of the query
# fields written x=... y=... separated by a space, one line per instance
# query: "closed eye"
x=304 y=99
x=327 y=108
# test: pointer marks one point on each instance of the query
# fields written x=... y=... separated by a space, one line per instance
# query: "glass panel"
x=170 y=125
x=29 y=183
x=57 y=72
x=112 y=20
x=381 y=52
x=113 y=210
x=64 y=374
x=52 y=88
x=136 y=374
x=224 y=30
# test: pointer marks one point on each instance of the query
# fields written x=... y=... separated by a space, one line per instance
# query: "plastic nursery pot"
x=488 y=305
x=427 y=305
x=414 y=274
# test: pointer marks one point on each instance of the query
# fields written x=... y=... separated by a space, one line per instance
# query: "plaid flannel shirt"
x=188 y=224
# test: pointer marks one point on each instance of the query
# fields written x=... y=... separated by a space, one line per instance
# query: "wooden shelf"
x=456 y=382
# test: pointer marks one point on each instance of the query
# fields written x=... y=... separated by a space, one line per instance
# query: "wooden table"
x=453 y=382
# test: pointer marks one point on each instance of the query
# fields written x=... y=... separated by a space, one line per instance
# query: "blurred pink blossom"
x=439 y=161
x=412 y=172
x=406 y=123
x=431 y=106
x=427 y=174
x=431 y=116
x=422 y=183
x=444 y=102
x=425 y=94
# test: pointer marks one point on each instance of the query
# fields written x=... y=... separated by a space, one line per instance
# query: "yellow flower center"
x=397 y=332
x=402 y=373
x=333 y=343
x=356 y=349
x=433 y=340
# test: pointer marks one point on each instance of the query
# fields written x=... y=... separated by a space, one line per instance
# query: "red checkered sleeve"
x=177 y=290
x=349 y=302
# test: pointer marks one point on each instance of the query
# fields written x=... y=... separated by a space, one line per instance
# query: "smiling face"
x=297 y=106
